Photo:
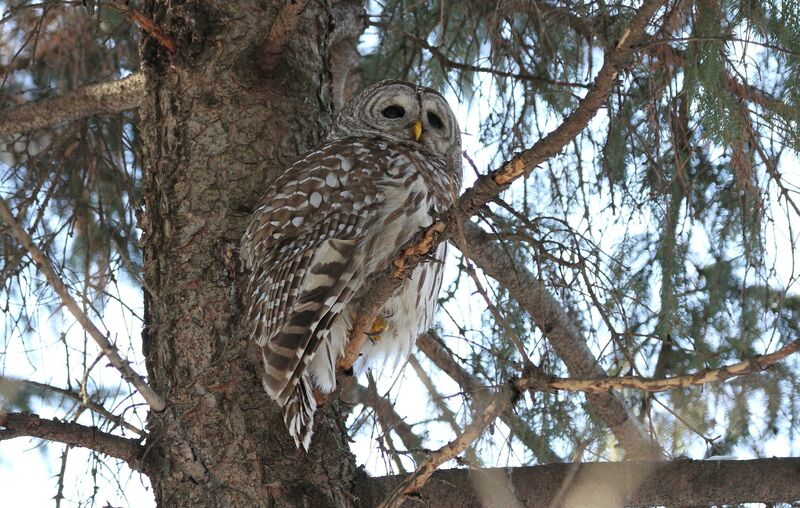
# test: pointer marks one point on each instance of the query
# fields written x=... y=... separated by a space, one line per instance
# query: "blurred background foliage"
x=668 y=229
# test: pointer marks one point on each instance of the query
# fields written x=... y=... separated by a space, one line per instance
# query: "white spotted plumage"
x=335 y=216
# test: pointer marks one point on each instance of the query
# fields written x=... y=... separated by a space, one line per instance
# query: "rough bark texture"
x=98 y=99
x=216 y=130
x=610 y=485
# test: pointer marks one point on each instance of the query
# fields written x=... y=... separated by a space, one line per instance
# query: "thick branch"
x=678 y=483
x=561 y=332
x=100 y=99
x=154 y=400
x=23 y=424
x=601 y=385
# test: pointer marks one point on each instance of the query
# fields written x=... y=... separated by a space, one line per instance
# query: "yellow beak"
x=416 y=130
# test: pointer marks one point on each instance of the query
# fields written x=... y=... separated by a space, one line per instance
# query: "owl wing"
x=301 y=248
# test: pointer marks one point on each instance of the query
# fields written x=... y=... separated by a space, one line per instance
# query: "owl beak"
x=416 y=130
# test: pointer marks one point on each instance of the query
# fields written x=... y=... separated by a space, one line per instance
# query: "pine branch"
x=100 y=99
x=600 y=385
x=154 y=400
x=16 y=425
x=565 y=338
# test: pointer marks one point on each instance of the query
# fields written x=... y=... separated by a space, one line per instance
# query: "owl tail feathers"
x=298 y=413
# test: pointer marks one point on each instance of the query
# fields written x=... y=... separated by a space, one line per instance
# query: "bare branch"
x=601 y=385
x=676 y=483
x=410 y=485
x=442 y=358
x=146 y=24
x=23 y=424
x=83 y=401
x=390 y=420
x=100 y=99
x=561 y=332
x=281 y=33
x=154 y=400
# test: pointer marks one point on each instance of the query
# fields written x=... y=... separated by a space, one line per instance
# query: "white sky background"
x=28 y=468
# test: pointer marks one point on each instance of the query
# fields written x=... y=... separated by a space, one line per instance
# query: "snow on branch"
x=103 y=98
x=153 y=400
x=13 y=425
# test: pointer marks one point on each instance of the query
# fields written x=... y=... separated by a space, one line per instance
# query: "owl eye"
x=434 y=120
x=394 y=112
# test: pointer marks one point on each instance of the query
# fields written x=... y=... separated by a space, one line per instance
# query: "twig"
x=153 y=400
x=499 y=403
x=436 y=352
x=563 y=335
x=146 y=24
x=281 y=32
x=102 y=98
x=89 y=404
x=749 y=366
x=24 y=424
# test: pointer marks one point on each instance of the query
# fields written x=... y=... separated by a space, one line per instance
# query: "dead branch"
x=281 y=33
x=675 y=483
x=600 y=385
x=146 y=24
x=390 y=420
x=100 y=99
x=411 y=485
x=563 y=335
x=436 y=352
x=83 y=401
x=24 y=424
x=154 y=400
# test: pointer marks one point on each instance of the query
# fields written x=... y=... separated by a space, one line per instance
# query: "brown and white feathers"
x=336 y=215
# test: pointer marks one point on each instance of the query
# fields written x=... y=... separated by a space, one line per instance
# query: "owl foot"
x=379 y=326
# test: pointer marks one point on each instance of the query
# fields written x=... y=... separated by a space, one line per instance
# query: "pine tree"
x=623 y=287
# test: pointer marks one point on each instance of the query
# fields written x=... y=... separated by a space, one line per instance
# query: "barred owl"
x=336 y=215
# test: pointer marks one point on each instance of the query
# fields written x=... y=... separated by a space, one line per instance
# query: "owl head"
x=402 y=112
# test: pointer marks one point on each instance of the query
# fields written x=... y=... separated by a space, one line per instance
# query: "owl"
x=335 y=216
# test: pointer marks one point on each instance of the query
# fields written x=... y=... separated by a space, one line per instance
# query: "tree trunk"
x=216 y=129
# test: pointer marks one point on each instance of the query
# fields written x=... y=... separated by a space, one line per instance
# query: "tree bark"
x=215 y=131
x=607 y=485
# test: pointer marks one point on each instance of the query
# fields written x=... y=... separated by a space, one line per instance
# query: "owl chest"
x=406 y=208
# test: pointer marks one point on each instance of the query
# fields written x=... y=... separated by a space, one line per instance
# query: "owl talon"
x=379 y=326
